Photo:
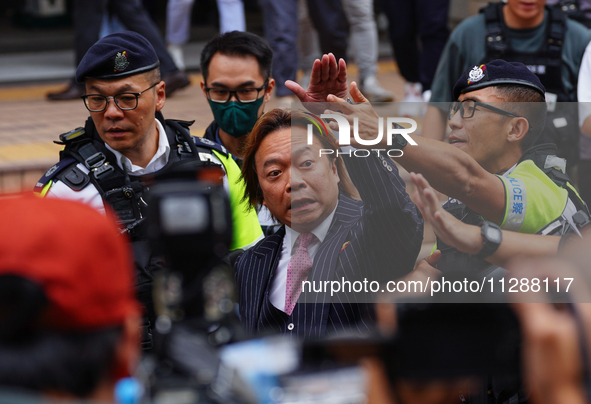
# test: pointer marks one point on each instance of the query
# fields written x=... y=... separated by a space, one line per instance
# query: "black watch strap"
x=398 y=142
x=491 y=239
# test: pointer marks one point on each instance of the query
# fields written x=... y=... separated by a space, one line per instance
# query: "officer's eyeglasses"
x=468 y=107
x=244 y=95
x=125 y=101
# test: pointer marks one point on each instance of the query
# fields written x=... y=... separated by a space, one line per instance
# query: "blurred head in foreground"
x=68 y=316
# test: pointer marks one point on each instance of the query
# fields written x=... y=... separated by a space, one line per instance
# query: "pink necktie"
x=297 y=271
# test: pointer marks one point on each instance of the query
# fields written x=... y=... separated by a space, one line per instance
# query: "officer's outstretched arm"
x=452 y=171
x=467 y=238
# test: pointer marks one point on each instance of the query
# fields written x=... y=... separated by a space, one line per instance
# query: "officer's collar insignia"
x=476 y=74
x=121 y=61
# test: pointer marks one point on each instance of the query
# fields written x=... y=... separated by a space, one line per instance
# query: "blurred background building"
x=37 y=57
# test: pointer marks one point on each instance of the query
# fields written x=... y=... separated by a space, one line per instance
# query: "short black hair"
x=154 y=76
x=528 y=103
x=73 y=363
x=237 y=43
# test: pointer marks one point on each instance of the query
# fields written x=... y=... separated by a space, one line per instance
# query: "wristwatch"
x=492 y=237
x=398 y=141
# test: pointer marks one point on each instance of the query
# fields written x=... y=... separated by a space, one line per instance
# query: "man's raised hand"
x=326 y=78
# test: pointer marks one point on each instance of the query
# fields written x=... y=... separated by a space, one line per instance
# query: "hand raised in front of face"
x=326 y=78
x=368 y=118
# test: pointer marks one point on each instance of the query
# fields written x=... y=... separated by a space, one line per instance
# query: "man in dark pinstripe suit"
x=376 y=236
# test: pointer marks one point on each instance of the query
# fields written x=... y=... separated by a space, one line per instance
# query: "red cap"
x=76 y=254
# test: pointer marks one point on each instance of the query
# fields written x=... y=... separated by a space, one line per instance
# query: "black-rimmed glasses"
x=468 y=107
x=244 y=95
x=125 y=101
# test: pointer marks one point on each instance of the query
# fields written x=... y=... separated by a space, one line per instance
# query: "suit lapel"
x=325 y=261
x=265 y=259
x=348 y=212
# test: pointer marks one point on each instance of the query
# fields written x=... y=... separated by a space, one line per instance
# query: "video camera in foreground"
x=189 y=223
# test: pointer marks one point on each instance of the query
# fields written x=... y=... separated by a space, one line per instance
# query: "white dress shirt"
x=288 y=249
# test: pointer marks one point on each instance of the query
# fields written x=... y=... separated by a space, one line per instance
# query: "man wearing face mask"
x=237 y=82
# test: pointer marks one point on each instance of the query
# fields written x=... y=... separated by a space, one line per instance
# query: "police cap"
x=118 y=55
x=495 y=73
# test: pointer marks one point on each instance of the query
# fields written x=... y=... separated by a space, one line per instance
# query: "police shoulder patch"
x=52 y=172
x=199 y=141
